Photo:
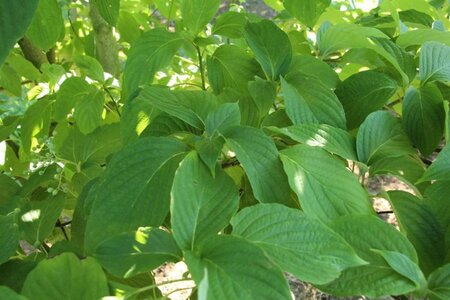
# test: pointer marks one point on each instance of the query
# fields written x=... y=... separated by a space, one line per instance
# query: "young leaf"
x=307 y=11
x=86 y=277
x=90 y=66
x=197 y=13
x=421 y=227
x=440 y=168
x=129 y=254
x=229 y=267
x=141 y=175
x=424 y=117
x=381 y=135
x=201 y=205
x=365 y=233
x=47 y=26
x=325 y=188
x=150 y=53
x=364 y=93
x=285 y=235
x=209 y=150
x=271 y=46
x=434 y=62
x=108 y=9
x=334 y=140
x=14 y=20
x=259 y=157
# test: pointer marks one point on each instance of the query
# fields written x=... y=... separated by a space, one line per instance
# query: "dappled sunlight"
x=31 y=216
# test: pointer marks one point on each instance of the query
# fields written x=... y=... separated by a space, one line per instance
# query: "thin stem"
x=202 y=71
x=150 y=287
x=116 y=107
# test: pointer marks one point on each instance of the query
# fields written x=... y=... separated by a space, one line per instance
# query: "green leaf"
x=9 y=236
x=307 y=11
x=230 y=24
x=209 y=150
x=322 y=102
x=10 y=80
x=129 y=254
x=109 y=10
x=197 y=13
x=201 y=205
x=364 y=93
x=150 y=53
x=365 y=233
x=408 y=167
x=421 y=36
x=424 y=117
x=285 y=235
x=9 y=294
x=434 y=62
x=334 y=140
x=231 y=66
x=140 y=175
x=35 y=124
x=440 y=168
x=439 y=283
x=258 y=156
x=72 y=91
x=271 y=46
x=90 y=66
x=14 y=20
x=86 y=278
x=89 y=110
x=264 y=94
x=436 y=200
x=224 y=117
x=380 y=136
x=229 y=267
x=404 y=266
x=47 y=26
x=325 y=188
x=421 y=227
x=296 y=106
x=9 y=188
x=38 y=216
x=23 y=67
x=312 y=66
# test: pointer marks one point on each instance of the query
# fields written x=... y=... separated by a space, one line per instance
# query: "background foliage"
x=140 y=132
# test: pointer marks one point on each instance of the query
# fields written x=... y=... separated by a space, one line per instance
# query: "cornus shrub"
x=136 y=133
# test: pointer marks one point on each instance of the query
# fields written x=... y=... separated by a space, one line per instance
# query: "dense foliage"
x=139 y=132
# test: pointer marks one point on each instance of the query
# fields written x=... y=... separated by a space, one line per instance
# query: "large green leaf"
x=381 y=135
x=88 y=111
x=108 y=9
x=325 y=188
x=364 y=93
x=38 y=217
x=306 y=11
x=424 y=117
x=313 y=66
x=9 y=236
x=129 y=254
x=66 y=277
x=271 y=46
x=407 y=167
x=91 y=67
x=197 y=13
x=421 y=227
x=365 y=234
x=439 y=283
x=150 y=53
x=258 y=156
x=15 y=17
x=420 y=36
x=222 y=118
x=440 y=168
x=334 y=140
x=201 y=205
x=322 y=102
x=231 y=66
x=230 y=24
x=229 y=267
x=296 y=106
x=9 y=188
x=285 y=235
x=47 y=26
x=141 y=176
x=72 y=91
x=434 y=62
x=436 y=197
